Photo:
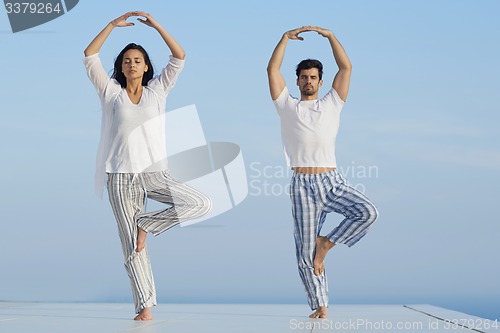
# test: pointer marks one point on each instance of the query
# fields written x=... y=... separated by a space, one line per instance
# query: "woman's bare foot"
x=141 y=239
x=321 y=312
x=323 y=245
x=145 y=314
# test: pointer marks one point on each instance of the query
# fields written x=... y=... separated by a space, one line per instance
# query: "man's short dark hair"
x=308 y=64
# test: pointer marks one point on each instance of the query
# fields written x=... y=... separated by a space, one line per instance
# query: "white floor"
x=239 y=318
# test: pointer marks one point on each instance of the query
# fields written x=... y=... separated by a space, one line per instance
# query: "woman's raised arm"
x=173 y=45
x=98 y=41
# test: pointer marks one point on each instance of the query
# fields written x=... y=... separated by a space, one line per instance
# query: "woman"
x=132 y=151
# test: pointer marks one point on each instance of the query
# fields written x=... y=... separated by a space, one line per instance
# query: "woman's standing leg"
x=127 y=199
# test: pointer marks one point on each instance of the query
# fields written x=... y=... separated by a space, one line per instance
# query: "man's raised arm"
x=276 y=80
x=342 y=79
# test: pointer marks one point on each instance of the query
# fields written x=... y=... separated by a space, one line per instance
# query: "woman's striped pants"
x=313 y=197
x=127 y=195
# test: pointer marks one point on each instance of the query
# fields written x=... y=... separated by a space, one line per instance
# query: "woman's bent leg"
x=184 y=202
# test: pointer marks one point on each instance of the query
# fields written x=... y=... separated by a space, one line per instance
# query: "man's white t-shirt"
x=309 y=129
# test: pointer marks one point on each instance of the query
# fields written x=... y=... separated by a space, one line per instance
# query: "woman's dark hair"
x=117 y=71
x=308 y=64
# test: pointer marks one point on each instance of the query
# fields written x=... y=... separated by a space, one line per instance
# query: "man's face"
x=309 y=82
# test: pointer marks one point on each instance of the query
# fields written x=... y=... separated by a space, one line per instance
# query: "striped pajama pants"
x=313 y=197
x=127 y=195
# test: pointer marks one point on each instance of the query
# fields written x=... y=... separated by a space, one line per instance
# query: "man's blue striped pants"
x=313 y=197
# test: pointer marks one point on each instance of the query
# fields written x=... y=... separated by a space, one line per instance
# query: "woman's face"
x=133 y=65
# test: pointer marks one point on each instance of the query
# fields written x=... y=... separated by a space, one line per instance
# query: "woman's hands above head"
x=122 y=20
x=149 y=21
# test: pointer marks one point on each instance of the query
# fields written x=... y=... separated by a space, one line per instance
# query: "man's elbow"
x=272 y=69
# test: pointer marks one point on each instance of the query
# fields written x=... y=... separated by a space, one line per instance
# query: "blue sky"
x=418 y=135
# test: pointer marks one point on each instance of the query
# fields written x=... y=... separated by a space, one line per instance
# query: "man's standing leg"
x=313 y=197
x=306 y=211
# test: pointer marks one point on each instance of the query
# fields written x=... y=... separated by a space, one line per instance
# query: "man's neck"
x=308 y=97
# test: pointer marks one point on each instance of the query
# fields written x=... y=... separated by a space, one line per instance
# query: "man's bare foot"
x=141 y=239
x=323 y=245
x=321 y=312
x=145 y=314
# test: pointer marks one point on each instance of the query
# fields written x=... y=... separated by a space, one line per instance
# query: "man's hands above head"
x=294 y=33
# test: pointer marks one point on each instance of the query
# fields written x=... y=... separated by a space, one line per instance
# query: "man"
x=309 y=127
